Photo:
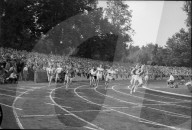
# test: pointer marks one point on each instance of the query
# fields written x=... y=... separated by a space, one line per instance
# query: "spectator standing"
x=25 y=72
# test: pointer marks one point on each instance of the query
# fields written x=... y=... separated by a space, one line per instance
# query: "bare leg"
x=67 y=83
x=93 y=81
x=97 y=82
x=146 y=82
x=133 y=85
x=56 y=78
x=50 y=80
x=65 y=80
x=20 y=76
x=90 y=78
x=70 y=80
x=140 y=84
x=131 y=82
x=106 y=83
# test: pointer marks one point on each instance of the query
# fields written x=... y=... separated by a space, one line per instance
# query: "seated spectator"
x=189 y=85
x=171 y=80
x=12 y=78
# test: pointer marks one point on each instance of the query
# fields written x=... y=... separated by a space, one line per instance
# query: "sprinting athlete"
x=99 y=74
x=109 y=76
x=69 y=75
x=146 y=78
x=58 y=72
x=50 y=73
x=133 y=75
x=138 y=77
x=72 y=74
x=92 y=76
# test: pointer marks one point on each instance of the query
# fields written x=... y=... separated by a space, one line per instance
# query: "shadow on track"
x=77 y=106
x=161 y=117
x=8 y=120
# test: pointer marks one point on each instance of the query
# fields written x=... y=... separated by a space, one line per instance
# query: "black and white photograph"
x=95 y=65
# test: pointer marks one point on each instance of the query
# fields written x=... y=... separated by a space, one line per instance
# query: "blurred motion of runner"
x=99 y=74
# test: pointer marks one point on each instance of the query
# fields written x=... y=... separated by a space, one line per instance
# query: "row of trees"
x=23 y=22
x=177 y=51
x=79 y=28
x=67 y=27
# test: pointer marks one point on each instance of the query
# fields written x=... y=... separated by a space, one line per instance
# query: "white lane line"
x=150 y=123
x=159 y=95
x=120 y=107
x=147 y=98
x=50 y=104
x=70 y=112
x=14 y=110
x=15 y=113
x=30 y=87
x=10 y=90
x=66 y=107
x=54 y=105
x=9 y=95
x=81 y=92
x=141 y=105
x=81 y=88
x=13 y=88
x=50 y=115
x=48 y=92
x=167 y=104
x=84 y=96
x=182 y=95
x=90 y=111
x=11 y=106
x=138 y=118
x=163 y=96
x=137 y=106
x=59 y=98
x=89 y=128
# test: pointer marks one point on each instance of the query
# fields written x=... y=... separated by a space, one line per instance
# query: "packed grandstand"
x=14 y=61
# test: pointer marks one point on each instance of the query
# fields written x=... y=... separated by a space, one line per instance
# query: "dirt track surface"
x=37 y=106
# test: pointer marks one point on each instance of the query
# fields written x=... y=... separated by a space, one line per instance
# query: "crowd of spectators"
x=165 y=71
x=13 y=62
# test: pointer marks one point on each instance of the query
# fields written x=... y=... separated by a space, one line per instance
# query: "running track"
x=37 y=106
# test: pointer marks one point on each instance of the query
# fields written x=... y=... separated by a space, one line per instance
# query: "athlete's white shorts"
x=99 y=76
x=67 y=77
x=146 y=77
x=139 y=79
x=108 y=78
x=133 y=78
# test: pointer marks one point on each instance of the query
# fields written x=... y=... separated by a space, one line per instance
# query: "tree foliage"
x=187 y=9
x=81 y=29
x=179 y=49
x=24 y=21
x=66 y=27
x=177 y=52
